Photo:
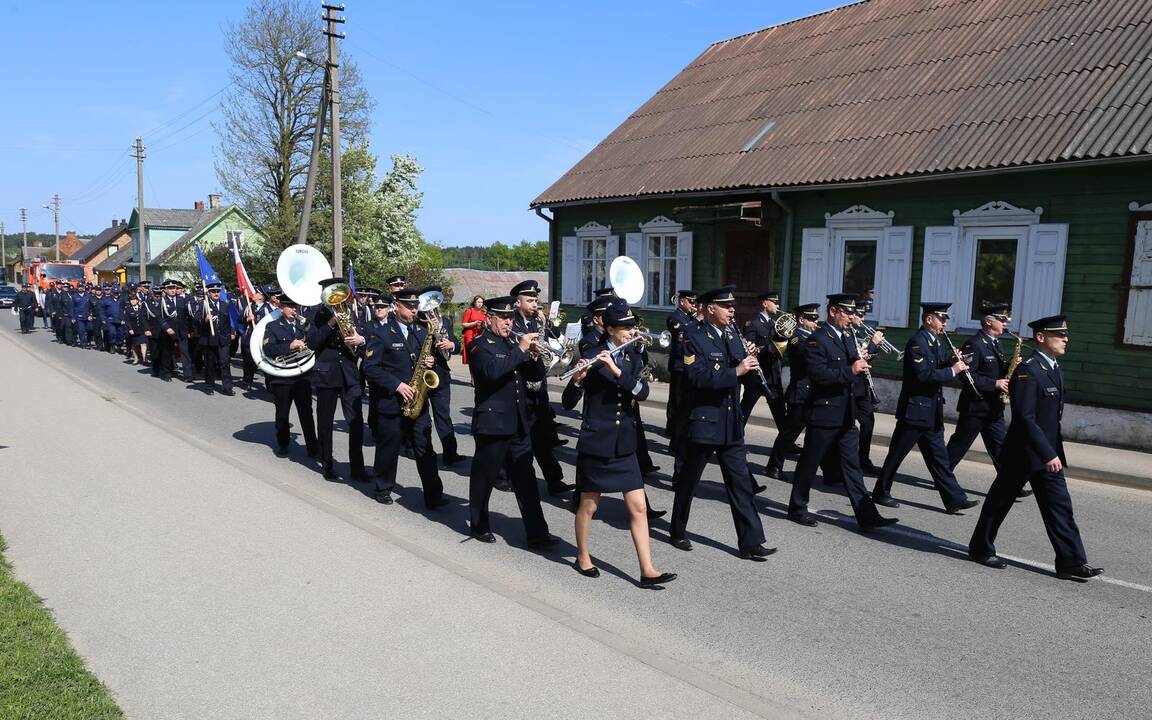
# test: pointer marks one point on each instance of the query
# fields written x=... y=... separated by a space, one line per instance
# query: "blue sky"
x=495 y=100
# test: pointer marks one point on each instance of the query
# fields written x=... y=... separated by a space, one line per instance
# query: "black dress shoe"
x=793 y=452
x=545 y=542
x=1024 y=492
x=878 y=523
x=281 y=451
x=313 y=454
x=658 y=580
x=992 y=561
x=682 y=544
x=486 y=537
x=962 y=506
x=437 y=503
x=503 y=485
x=757 y=553
x=560 y=442
x=384 y=498
x=772 y=471
x=652 y=514
x=758 y=488
x=885 y=500
x=869 y=469
x=650 y=470
x=329 y=471
x=1081 y=572
x=805 y=519
x=558 y=489
x=592 y=572
x=229 y=392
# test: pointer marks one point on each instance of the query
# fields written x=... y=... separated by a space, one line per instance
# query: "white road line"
x=924 y=536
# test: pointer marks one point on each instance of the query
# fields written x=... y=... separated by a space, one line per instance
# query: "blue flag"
x=351 y=279
x=207 y=276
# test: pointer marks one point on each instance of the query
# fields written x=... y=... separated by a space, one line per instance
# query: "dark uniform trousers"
x=920 y=419
x=716 y=427
x=795 y=397
x=288 y=391
x=1037 y=393
x=832 y=441
x=541 y=417
x=336 y=380
x=213 y=342
x=500 y=425
x=389 y=361
x=980 y=415
x=440 y=402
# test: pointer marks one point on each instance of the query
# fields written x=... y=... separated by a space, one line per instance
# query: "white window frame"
x=1002 y=220
x=572 y=287
x=239 y=239
x=1137 y=331
x=822 y=264
x=636 y=247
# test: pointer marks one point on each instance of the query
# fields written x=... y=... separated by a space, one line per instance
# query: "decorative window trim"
x=592 y=229
x=996 y=213
x=859 y=216
x=636 y=247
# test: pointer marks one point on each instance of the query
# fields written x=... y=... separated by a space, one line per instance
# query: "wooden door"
x=749 y=256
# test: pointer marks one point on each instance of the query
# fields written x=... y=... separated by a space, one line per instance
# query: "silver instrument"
x=299 y=270
x=956 y=353
x=596 y=361
x=428 y=303
x=544 y=352
x=884 y=346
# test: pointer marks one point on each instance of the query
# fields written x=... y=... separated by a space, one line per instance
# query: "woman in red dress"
x=472 y=323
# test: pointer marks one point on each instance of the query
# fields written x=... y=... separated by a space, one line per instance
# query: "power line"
x=188 y=111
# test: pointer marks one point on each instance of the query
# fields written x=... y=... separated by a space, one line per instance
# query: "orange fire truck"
x=41 y=272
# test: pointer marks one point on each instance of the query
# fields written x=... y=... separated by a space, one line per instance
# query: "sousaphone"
x=299 y=270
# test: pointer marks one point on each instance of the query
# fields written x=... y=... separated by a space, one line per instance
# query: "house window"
x=593 y=265
x=859 y=266
x=661 y=270
x=112 y=249
x=994 y=274
x=234 y=239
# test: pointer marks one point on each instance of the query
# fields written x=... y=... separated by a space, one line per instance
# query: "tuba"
x=424 y=378
x=299 y=270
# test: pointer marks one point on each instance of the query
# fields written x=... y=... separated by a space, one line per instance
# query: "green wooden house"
x=215 y=227
x=935 y=150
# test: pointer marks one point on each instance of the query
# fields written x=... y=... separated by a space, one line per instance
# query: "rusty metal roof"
x=886 y=89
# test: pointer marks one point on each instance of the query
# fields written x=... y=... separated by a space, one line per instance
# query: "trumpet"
x=884 y=346
x=662 y=340
x=542 y=351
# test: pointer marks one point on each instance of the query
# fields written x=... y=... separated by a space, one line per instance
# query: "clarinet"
x=967 y=375
x=866 y=372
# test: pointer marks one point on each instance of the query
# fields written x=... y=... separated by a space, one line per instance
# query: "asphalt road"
x=203 y=577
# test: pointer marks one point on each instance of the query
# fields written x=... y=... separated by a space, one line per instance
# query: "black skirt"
x=608 y=475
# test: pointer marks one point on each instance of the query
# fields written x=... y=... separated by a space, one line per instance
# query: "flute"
x=595 y=361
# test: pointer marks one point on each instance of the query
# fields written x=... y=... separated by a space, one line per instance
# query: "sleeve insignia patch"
x=794 y=341
x=689 y=359
x=267 y=340
x=917 y=359
x=490 y=340
x=716 y=366
x=916 y=348
x=747 y=323
x=676 y=326
x=1022 y=376
x=369 y=353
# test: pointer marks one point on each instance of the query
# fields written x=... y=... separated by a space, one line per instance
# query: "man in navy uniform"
x=80 y=313
x=714 y=362
x=26 y=307
x=759 y=331
x=440 y=399
x=526 y=320
x=831 y=442
x=214 y=332
x=797 y=393
x=501 y=423
x=390 y=361
x=1034 y=454
x=678 y=322
x=336 y=380
x=982 y=410
x=282 y=336
x=920 y=412
x=111 y=316
x=863 y=393
x=173 y=336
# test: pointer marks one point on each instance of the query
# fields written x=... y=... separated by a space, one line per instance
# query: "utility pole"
x=55 y=208
x=334 y=99
x=314 y=160
x=3 y=251
x=141 y=247
x=24 y=223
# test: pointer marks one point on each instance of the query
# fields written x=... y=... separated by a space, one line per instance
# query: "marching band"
x=310 y=338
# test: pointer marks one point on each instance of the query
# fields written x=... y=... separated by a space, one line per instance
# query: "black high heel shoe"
x=592 y=572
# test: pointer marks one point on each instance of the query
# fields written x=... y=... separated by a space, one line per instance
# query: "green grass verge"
x=41 y=677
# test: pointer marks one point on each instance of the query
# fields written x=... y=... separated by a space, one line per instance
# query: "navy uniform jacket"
x=96 y=308
x=678 y=323
x=134 y=319
x=758 y=331
x=987 y=366
x=712 y=392
x=50 y=300
x=609 y=425
x=1034 y=436
x=219 y=332
x=362 y=316
x=174 y=315
x=499 y=370
x=150 y=311
x=337 y=365
x=589 y=340
x=110 y=311
x=798 y=367
x=278 y=337
x=390 y=360
x=25 y=300
x=81 y=306
x=927 y=366
x=829 y=368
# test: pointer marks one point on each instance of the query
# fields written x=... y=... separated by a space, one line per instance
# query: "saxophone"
x=424 y=378
x=1004 y=397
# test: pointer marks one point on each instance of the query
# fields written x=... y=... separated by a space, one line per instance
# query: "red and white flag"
x=242 y=278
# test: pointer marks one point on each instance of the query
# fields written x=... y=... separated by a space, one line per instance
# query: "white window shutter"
x=612 y=248
x=1138 y=320
x=893 y=276
x=814 y=266
x=941 y=264
x=683 y=262
x=570 y=271
x=634 y=247
x=1044 y=271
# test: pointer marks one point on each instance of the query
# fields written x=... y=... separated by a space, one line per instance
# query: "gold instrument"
x=1005 y=397
x=783 y=327
x=424 y=378
x=428 y=304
